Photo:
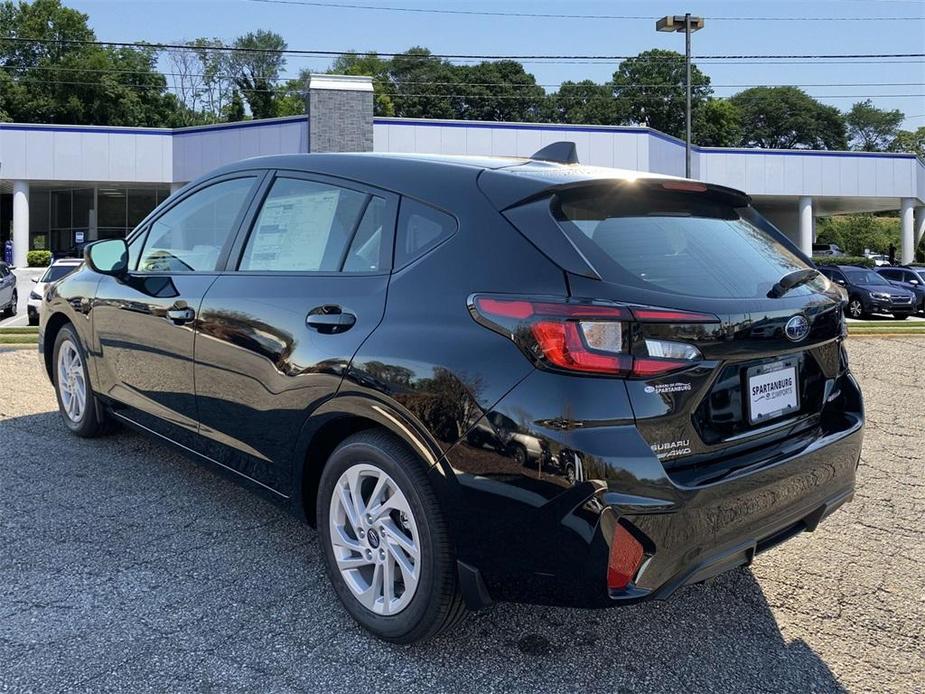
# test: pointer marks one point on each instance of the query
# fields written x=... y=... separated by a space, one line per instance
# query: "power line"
x=220 y=76
x=450 y=56
x=167 y=87
x=556 y=15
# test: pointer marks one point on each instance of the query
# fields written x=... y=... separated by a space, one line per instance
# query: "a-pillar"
x=20 y=222
x=806 y=225
x=906 y=212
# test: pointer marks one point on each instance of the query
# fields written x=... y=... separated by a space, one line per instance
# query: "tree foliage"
x=650 y=89
x=856 y=233
x=582 y=102
x=910 y=141
x=872 y=129
x=256 y=65
x=717 y=123
x=788 y=118
x=78 y=83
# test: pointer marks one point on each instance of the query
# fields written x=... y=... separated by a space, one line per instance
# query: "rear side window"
x=303 y=226
x=676 y=242
x=420 y=228
x=56 y=272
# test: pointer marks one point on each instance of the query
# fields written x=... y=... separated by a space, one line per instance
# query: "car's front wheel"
x=386 y=543
x=855 y=308
x=79 y=408
x=901 y=316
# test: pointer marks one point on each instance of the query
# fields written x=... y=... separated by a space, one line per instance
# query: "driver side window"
x=189 y=237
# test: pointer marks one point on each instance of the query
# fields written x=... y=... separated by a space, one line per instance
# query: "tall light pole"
x=688 y=25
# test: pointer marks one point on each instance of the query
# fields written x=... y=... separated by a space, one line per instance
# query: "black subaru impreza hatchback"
x=479 y=378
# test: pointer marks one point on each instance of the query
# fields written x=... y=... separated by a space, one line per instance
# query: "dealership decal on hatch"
x=668 y=388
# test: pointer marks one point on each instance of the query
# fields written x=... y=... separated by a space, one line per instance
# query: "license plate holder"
x=772 y=390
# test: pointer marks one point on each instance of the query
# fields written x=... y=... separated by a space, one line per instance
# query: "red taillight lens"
x=626 y=555
x=588 y=337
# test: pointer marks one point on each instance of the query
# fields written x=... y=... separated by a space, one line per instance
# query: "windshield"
x=679 y=242
x=865 y=277
x=56 y=272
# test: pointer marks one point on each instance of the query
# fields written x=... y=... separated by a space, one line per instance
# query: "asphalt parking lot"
x=124 y=567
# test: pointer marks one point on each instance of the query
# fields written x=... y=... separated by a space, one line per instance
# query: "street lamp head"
x=676 y=23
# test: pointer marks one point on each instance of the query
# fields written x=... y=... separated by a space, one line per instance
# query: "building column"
x=919 y=224
x=906 y=212
x=806 y=225
x=20 y=222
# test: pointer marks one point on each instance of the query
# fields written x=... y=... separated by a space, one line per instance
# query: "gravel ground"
x=125 y=567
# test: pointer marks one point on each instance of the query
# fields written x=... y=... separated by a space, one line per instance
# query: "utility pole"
x=688 y=25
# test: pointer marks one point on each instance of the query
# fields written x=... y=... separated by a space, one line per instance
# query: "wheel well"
x=52 y=328
x=322 y=444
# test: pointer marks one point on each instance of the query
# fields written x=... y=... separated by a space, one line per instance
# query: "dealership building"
x=62 y=186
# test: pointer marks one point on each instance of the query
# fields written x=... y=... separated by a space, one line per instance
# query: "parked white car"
x=56 y=271
x=880 y=260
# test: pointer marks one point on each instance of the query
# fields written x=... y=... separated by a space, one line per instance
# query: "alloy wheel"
x=855 y=308
x=71 y=382
x=375 y=539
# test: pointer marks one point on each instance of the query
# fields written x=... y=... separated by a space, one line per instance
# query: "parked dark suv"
x=480 y=379
x=910 y=278
x=869 y=292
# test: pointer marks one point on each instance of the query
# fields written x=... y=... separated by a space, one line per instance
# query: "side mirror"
x=35 y=280
x=841 y=282
x=109 y=257
x=914 y=282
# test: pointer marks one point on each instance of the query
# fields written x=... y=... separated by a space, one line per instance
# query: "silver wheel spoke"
x=378 y=557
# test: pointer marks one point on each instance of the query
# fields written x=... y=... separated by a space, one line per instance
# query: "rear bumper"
x=556 y=551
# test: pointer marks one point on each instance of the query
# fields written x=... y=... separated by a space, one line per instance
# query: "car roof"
x=409 y=174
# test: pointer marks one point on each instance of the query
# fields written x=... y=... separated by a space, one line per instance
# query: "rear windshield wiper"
x=791 y=280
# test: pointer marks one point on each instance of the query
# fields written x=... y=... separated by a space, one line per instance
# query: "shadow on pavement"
x=126 y=567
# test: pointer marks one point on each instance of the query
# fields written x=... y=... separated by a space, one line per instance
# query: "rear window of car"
x=57 y=272
x=676 y=242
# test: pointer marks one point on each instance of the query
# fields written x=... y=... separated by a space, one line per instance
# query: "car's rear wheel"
x=386 y=543
x=79 y=407
x=10 y=310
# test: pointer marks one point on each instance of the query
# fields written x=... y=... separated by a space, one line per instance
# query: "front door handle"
x=180 y=314
x=330 y=319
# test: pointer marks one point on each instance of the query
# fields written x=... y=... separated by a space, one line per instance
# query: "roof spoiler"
x=558 y=152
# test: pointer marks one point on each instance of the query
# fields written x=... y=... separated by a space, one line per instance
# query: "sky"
x=891 y=85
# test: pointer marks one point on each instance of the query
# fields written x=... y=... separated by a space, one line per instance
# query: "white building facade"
x=62 y=186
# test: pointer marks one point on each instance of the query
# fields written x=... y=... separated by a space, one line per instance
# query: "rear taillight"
x=589 y=337
x=626 y=554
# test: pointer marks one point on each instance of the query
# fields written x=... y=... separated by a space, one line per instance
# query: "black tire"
x=92 y=420
x=10 y=310
x=519 y=454
x=437 y=602
x=901 y=316
x=33 y=319
x=855 y=309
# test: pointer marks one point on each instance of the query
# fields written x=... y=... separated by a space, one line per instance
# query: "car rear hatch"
x=767 y=357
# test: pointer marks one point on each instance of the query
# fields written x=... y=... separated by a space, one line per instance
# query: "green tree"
x=57 y=80
x=424 y=86
x=497 y=91
x=256 y=66
x=582 y=102
x=855 y=233
x=650 y=90
x=910 y=141
x=234 y=110
x=872 y=129
x=788 y=118
x=371 y=65
x=717 y=123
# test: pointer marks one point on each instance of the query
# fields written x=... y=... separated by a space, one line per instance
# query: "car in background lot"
x=911 y=279
x=832 y=249
x=655 y=377
x=869 y=292
x=8 y=295
x=56 y=271
x=880 y=260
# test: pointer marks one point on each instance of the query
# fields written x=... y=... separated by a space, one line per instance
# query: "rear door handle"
x=330 y=319
x=180 y=315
